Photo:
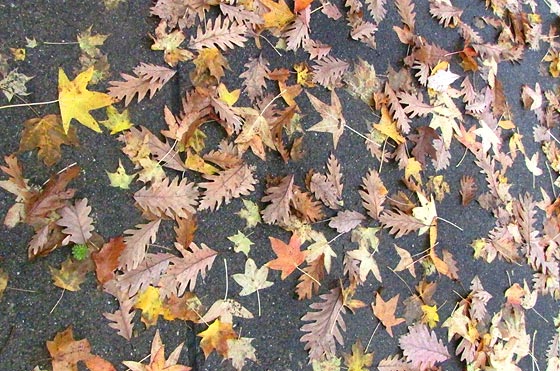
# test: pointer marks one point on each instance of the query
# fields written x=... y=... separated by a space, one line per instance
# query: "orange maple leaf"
x=300 y=5
x=385 y=312
x=289 y=256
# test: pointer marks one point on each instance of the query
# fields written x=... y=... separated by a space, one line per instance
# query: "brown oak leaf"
x=279 y=197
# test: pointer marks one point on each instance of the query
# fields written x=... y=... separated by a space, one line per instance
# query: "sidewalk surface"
x=33 y=309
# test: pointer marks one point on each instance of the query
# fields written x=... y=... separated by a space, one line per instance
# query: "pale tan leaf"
x=373 y=194
x=346 y=220
x=325 y=327
x=76 y=222
x=226 y=185
x=149 y=271
x=149 y=78
x=168 y=198
x=279 y=197
x=422 y=348
x=220 y=33
x=184 y=271
x=254 y=77
x=328 y=72
x=136 y=241
x=122 y=319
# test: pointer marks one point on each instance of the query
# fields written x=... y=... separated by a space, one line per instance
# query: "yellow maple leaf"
x=215 y=337
x=226 y=96
x=75 y=101
x=388 y=127
x=151 y=305
x=117 y=121
x=278 y=16
x=413 y=168
x=430 y=315
x=120 y=179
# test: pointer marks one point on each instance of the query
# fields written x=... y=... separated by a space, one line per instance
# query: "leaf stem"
x=259 y=302
x=28 y=104
x=451 y=223
x=60 y=42
x=308 y=275
x=227 y=281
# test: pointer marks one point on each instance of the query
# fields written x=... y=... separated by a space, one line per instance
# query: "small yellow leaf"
x=18 y=53
x=151 y=305
x=304 y=75
x=120 y=179
x=413 y=169
x=75 y=101
x=117 y=121
x=278 y=16
x=3 y=282
x=226 y=96
x=196 y=163
x=430 y=315
x=215 y=337
x=388 y=127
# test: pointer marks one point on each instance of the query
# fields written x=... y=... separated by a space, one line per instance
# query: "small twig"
x=402 y=279
x=462 y=158
x=58 y=301
x=61 y=171
x=540 y=315
x=361 y=135
x=168 y=152
x=140 y=361
x=28 y=104
x=318 y=8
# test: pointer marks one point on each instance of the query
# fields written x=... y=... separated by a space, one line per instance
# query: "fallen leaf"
x=405 y=261
x=333 y=122
x=289 y=256
x=385 y=312
x=149 y=301
x=216 y=337
x=241 y=243
x=430 y=316
x=120 y=179
x=3 y=282
x=117 y=121
x=76 y=101
x=358 y=360
x=278 y=16
x=239 y=350
x=67 y=352
x=157 y=358
x=253 y=279
x=47 y=135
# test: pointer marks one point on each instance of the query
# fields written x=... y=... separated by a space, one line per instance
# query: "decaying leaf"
x=47 y=134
